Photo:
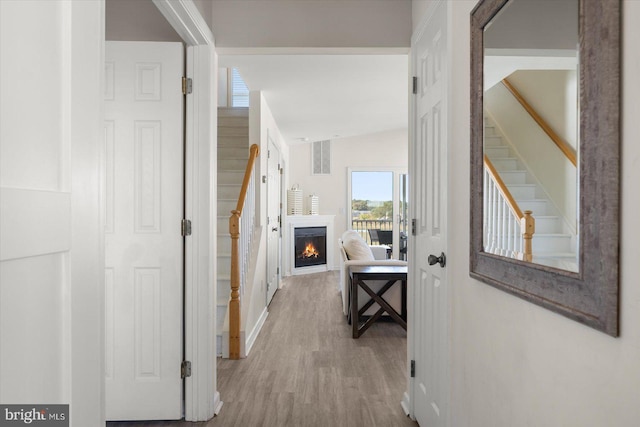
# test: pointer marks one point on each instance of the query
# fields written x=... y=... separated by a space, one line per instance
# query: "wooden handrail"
x=254 y=150
x=566 y=149
x=527 y=221
x=513 y=205
x=234 y=231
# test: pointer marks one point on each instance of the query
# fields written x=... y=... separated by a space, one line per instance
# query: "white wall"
x=223 y=87
x=312 y=23
x=514 y=363
x=51 y=256
x=553 y=94
x=137 y=20
x=381 y=150
x=262 y=125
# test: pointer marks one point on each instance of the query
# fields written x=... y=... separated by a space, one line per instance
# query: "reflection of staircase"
x=233 y=152
x=553 y=244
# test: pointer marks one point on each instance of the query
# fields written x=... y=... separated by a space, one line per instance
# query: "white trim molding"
x=184 y=17
x=202 y=401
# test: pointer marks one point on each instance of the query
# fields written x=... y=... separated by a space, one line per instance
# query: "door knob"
x=442 y=259
x=274 y=229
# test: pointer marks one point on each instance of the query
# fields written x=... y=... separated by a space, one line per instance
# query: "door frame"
x=276 y=191
x=201 y=398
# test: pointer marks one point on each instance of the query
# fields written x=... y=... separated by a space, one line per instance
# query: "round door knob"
x=442 y=260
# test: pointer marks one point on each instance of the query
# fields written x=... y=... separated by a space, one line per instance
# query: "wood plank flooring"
x=306 y=370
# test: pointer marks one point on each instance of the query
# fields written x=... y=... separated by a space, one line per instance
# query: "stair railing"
x=241 y=225
x=508 y=231
x=566 y=149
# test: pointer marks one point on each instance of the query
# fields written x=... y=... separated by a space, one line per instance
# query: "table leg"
x=354 y=306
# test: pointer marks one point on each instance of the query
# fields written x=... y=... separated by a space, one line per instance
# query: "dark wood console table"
x=359 y=276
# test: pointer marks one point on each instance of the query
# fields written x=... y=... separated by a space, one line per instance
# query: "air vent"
x=321 y=157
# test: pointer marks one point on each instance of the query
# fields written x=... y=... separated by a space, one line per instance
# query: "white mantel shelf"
x=298 y=221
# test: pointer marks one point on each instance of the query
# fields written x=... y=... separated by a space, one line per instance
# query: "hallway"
x=306 y=370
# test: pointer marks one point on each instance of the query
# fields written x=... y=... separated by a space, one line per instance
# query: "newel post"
x=234 y=304
x=528 y=226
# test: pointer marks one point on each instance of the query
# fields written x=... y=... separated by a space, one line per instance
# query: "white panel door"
x=273 y=230
x=144 y=246
x=429 y=282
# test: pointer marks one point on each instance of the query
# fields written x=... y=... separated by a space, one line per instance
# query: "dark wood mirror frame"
x=589 y=296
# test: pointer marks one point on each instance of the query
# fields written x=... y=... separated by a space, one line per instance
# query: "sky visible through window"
x=373 y=186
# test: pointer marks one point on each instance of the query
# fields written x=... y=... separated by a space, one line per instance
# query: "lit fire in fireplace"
x=310 y=251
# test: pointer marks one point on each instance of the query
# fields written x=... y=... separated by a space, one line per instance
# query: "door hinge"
x=415 y=85
x=187 y=85
x=185 y=369
x=186 y=227
x=414 y=223
x=278 y=270
x=413 y=369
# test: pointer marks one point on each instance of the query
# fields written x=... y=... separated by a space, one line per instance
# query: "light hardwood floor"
x=306 y=370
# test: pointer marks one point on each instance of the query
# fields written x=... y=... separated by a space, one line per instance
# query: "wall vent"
x=321 y=157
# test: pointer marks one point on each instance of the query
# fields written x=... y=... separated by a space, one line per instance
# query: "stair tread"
x=223 y=170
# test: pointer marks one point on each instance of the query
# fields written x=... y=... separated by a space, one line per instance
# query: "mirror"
x=545 y=154
x=530 y=134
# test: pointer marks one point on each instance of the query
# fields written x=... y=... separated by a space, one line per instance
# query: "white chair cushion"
x=355 y=246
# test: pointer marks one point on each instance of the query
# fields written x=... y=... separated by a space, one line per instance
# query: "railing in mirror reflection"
x=508 y=231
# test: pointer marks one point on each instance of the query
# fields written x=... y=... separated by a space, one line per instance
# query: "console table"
x=359 y=276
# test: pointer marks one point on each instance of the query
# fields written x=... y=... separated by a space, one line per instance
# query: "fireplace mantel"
x=298 y=221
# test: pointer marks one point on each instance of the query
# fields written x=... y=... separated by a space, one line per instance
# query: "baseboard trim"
x=251 y=339
x=217 y=404
x=406 y=405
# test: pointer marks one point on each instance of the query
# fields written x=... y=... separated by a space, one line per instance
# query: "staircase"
x=553 y=243
x=233 y=152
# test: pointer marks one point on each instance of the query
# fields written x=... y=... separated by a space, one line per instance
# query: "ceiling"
x=318 y=97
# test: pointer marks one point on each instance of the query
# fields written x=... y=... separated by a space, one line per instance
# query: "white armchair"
x=354 y=251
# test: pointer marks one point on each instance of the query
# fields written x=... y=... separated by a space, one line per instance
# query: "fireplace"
x=310 y=246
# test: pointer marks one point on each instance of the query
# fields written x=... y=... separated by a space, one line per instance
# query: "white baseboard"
x=253 y=335
x=217 y=403
x=406 y=405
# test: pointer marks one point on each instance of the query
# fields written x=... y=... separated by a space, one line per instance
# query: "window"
x=239 y=90
x=377 y=207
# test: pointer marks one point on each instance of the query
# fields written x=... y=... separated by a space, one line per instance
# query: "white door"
x=273 y=230
x=143 y=239
x=428 y=283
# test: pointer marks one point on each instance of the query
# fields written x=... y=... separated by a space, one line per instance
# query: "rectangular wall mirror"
x=545 y=79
